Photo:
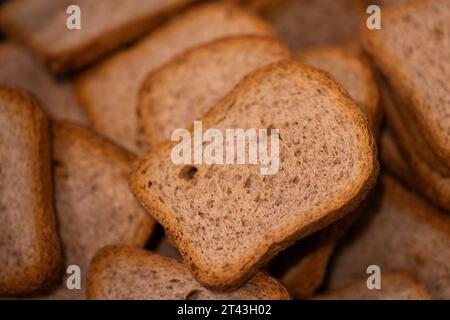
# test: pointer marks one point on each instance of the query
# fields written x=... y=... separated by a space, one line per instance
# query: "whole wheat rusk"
x=30 y=253
x=417 y=73
x=218 y=215
x=353 y=71
x=184 y=89
x=306 y=23
x=105 y=25
x=303 y=266
x=422 y=175
x=395 y=285
x=109 y=92
x=94 y=204
x=20 y=69
x=121 y=272
x=403 y=232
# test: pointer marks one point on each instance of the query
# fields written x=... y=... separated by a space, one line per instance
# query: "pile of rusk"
x=86 y=177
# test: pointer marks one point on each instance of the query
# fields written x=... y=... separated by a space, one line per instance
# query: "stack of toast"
x=94 y=206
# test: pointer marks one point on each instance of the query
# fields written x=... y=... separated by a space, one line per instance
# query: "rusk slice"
x=424 y=172
x=105 y=25
x=228 y=220
x=183 y=90
x=120 y=272
x=109 y=92
x=30 y=253
x=94 y=204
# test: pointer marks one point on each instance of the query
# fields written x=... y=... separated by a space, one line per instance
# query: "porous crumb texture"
x=183 y=90
x=227 y=220
x=352 y=71
x=109 y=91
x=19 y=69
x=403 y=232
x=396 y=285
x=29 y=246
x=119 y=272
x=105 y=25
x=94 y=204
x=412 y=51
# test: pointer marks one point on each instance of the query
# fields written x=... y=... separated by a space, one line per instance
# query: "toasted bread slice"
x=404 y=232
x=20 y=69
x=170 y=99
x=246 y=217
x=418 y=73
x=305 y=23
x=30 y=253
x=109 y=92
x=94 y=204
x=353 y=72
x=120 y=272
x=105 y=25
x=395 y=285
x=384 y=3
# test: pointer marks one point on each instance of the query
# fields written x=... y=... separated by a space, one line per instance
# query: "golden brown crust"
x=104 y=259
x=42 y=268
x=69 y=60
x=337 y=209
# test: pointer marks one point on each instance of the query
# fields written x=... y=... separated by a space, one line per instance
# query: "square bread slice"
x=402 y=232
x=30 y=252
x=105 y=25
x=94 y=204
x=352 y=70
x=20 y=69
x=412 y=51
x=183 y=90
x=109 y=91
x=228 y=220
x=121 y=272
x=395 y=285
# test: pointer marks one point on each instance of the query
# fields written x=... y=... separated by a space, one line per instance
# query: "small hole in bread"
x=188 y=172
